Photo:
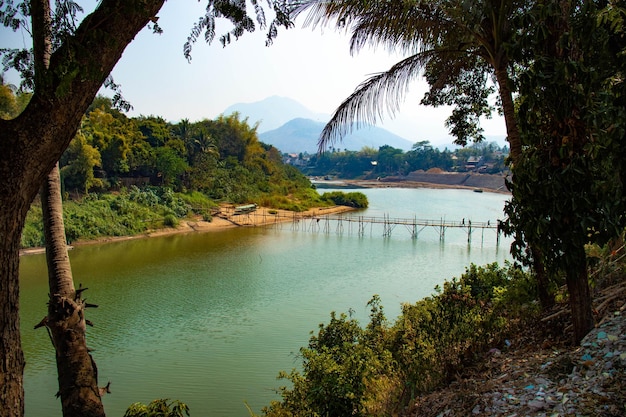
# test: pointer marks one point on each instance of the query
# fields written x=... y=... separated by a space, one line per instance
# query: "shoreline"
x=263 y=216
x=225 y=219
x=405 y=183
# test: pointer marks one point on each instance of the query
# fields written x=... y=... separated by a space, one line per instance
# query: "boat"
x=245 y=209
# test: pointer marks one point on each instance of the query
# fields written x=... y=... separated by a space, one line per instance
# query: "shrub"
x=354 y=199
x=198 y=202
x=348 y=370
x=436 y=337
x=344 y=367
x=158 y=408
x=170 y=220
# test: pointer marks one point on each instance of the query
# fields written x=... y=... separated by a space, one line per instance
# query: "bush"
x=158 y=408
x=377 y=370
x=341 y=365
x=32 y=234
x=354 y=199
x=198 y=202
x=170 y=220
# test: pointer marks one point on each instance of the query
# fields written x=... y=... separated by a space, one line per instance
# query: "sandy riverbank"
x=264 y=216
x=224 y=219
x=482 y=182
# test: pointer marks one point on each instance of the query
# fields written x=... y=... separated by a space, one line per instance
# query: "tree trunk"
x=31 y=144
x=12 y=357
x=508 y=108
x=580 y=301
x=515 y=142
x=77 y=372
x=543 y=283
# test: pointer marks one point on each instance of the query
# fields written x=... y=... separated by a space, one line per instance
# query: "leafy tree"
x=8 y=102
x=113 y=135
x=78 y=163
x=232 y=135
x=155 y=129
x=389 y=159
x=11 y=102
x=197 y=139
x=31 y=144
x=169 y=165
x=423 y=156
x=340 y=364
x=569 y=186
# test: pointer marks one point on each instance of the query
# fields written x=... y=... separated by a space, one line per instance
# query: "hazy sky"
x=312 y=66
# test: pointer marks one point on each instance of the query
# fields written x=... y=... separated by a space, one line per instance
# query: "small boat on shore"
x=245 y=209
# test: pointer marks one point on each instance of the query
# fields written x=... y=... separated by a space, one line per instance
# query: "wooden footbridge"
x=362 y=225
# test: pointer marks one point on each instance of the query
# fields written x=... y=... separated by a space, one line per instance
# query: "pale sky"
x=311 y=66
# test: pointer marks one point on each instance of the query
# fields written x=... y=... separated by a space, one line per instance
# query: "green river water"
x=211 y=318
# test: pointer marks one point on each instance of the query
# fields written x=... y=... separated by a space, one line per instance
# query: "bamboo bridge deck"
x=349 y=224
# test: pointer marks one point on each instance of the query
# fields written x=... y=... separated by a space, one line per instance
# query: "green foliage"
x=32 y=234
x=199 y=203
x=341 y=365
x=170 y=220
x=220 y=158
x=173 y=202
x=79 y=161
x=158 y=408
x=568 y=188
x=8 y=102
x=388 y=161
x=106 y=215
x=437 y=336
x=376 y=370
x=128 y=213
x=353 y=199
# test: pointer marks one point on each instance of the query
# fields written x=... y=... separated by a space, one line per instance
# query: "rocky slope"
x=542 y=374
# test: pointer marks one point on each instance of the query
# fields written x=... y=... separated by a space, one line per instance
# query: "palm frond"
x=367 y=104
x=406 y=26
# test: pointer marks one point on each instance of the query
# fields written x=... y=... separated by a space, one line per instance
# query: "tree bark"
x=32 y=143
x=546 y=298
x=12 y=357
x=515 y=142
x=77 y=372
x=580 y=301
x=508 y=108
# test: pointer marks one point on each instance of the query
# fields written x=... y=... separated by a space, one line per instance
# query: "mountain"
x=301 y=135
x=293 y=128
x=273 y=112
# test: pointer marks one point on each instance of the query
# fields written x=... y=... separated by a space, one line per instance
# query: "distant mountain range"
x=273 y=112
x=292 y=128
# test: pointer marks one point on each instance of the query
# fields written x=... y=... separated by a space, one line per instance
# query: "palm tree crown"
x=448 y=39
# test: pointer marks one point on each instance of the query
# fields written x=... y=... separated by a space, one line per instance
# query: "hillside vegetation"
x=122 y=176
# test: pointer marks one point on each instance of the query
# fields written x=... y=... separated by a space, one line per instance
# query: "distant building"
x=473 y=162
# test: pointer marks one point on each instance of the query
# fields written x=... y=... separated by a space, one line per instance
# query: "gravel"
x=542 y=380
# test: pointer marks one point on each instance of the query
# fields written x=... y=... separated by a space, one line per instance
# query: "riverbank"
x=478 y=182
x=224 y=218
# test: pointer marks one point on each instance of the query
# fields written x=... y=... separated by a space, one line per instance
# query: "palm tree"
x=78 y=376
x=451 y=38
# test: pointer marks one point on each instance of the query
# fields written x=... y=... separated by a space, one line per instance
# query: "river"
x=211 y=318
